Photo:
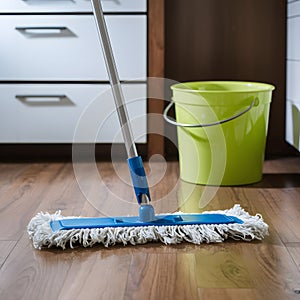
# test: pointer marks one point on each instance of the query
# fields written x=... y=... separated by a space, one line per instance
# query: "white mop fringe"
x=41 y=234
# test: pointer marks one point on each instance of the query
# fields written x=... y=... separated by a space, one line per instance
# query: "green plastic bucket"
x=222 y=128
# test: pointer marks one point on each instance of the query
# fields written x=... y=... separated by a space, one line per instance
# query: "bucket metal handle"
x=173 y=122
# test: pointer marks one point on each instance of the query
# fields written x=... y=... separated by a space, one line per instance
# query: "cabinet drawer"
x=293 y=9
x=293 y=78
x=41 y=6
x=83 y=113
x=66 y=47
x=293 y=123
x=293 y=41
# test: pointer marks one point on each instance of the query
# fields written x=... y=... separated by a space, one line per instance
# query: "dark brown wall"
x=231 y=40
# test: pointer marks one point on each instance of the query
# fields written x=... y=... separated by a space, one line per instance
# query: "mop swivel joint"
x=139 y=179
x=140 y=184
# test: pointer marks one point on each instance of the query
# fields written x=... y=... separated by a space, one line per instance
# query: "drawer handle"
x=41 y=28
x=45 y=31
x=45 y=100
x=67 y=0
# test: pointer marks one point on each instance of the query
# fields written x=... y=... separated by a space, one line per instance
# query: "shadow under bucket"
x=222 y=128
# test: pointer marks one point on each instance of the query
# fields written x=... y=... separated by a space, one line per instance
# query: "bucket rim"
x=254 y=87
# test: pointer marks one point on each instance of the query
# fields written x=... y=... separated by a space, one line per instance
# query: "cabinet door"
x=293 y=123
x=41 y=6
x=67 y=47
x=293 y=104
x=293 y=75
x=66 y=113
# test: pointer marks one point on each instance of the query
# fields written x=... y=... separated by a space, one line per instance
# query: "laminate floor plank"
x=5 y=249
x=273 y=271
x=97 y=274
x=18 y=201
x=162 y=276
x=279 y=207
x=24 y=196
x=223 y=266
x=294 y=250
x=30 y=274
x=62 y=194
x=226 y=294
x=284 y=209
x=284 y=165
x=10 y=173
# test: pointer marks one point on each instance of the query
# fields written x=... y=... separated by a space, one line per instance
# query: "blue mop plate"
x=161 y=220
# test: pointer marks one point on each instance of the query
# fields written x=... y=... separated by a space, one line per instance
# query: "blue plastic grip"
x=138 y=176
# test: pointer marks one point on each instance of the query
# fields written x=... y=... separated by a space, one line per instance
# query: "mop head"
x=42 y=235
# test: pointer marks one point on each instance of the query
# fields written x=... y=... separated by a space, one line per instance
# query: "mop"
x=47 y=230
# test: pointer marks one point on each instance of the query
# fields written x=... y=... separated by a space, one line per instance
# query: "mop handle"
x=135 y=163
x=114 y=80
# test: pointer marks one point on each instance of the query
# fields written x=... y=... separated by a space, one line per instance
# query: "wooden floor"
x=269 y=269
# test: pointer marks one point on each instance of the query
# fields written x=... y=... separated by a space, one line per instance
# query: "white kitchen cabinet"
x=67 y=6
x=51 y=113
x=293 y=75
x=67 y=47
x=53 y=76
